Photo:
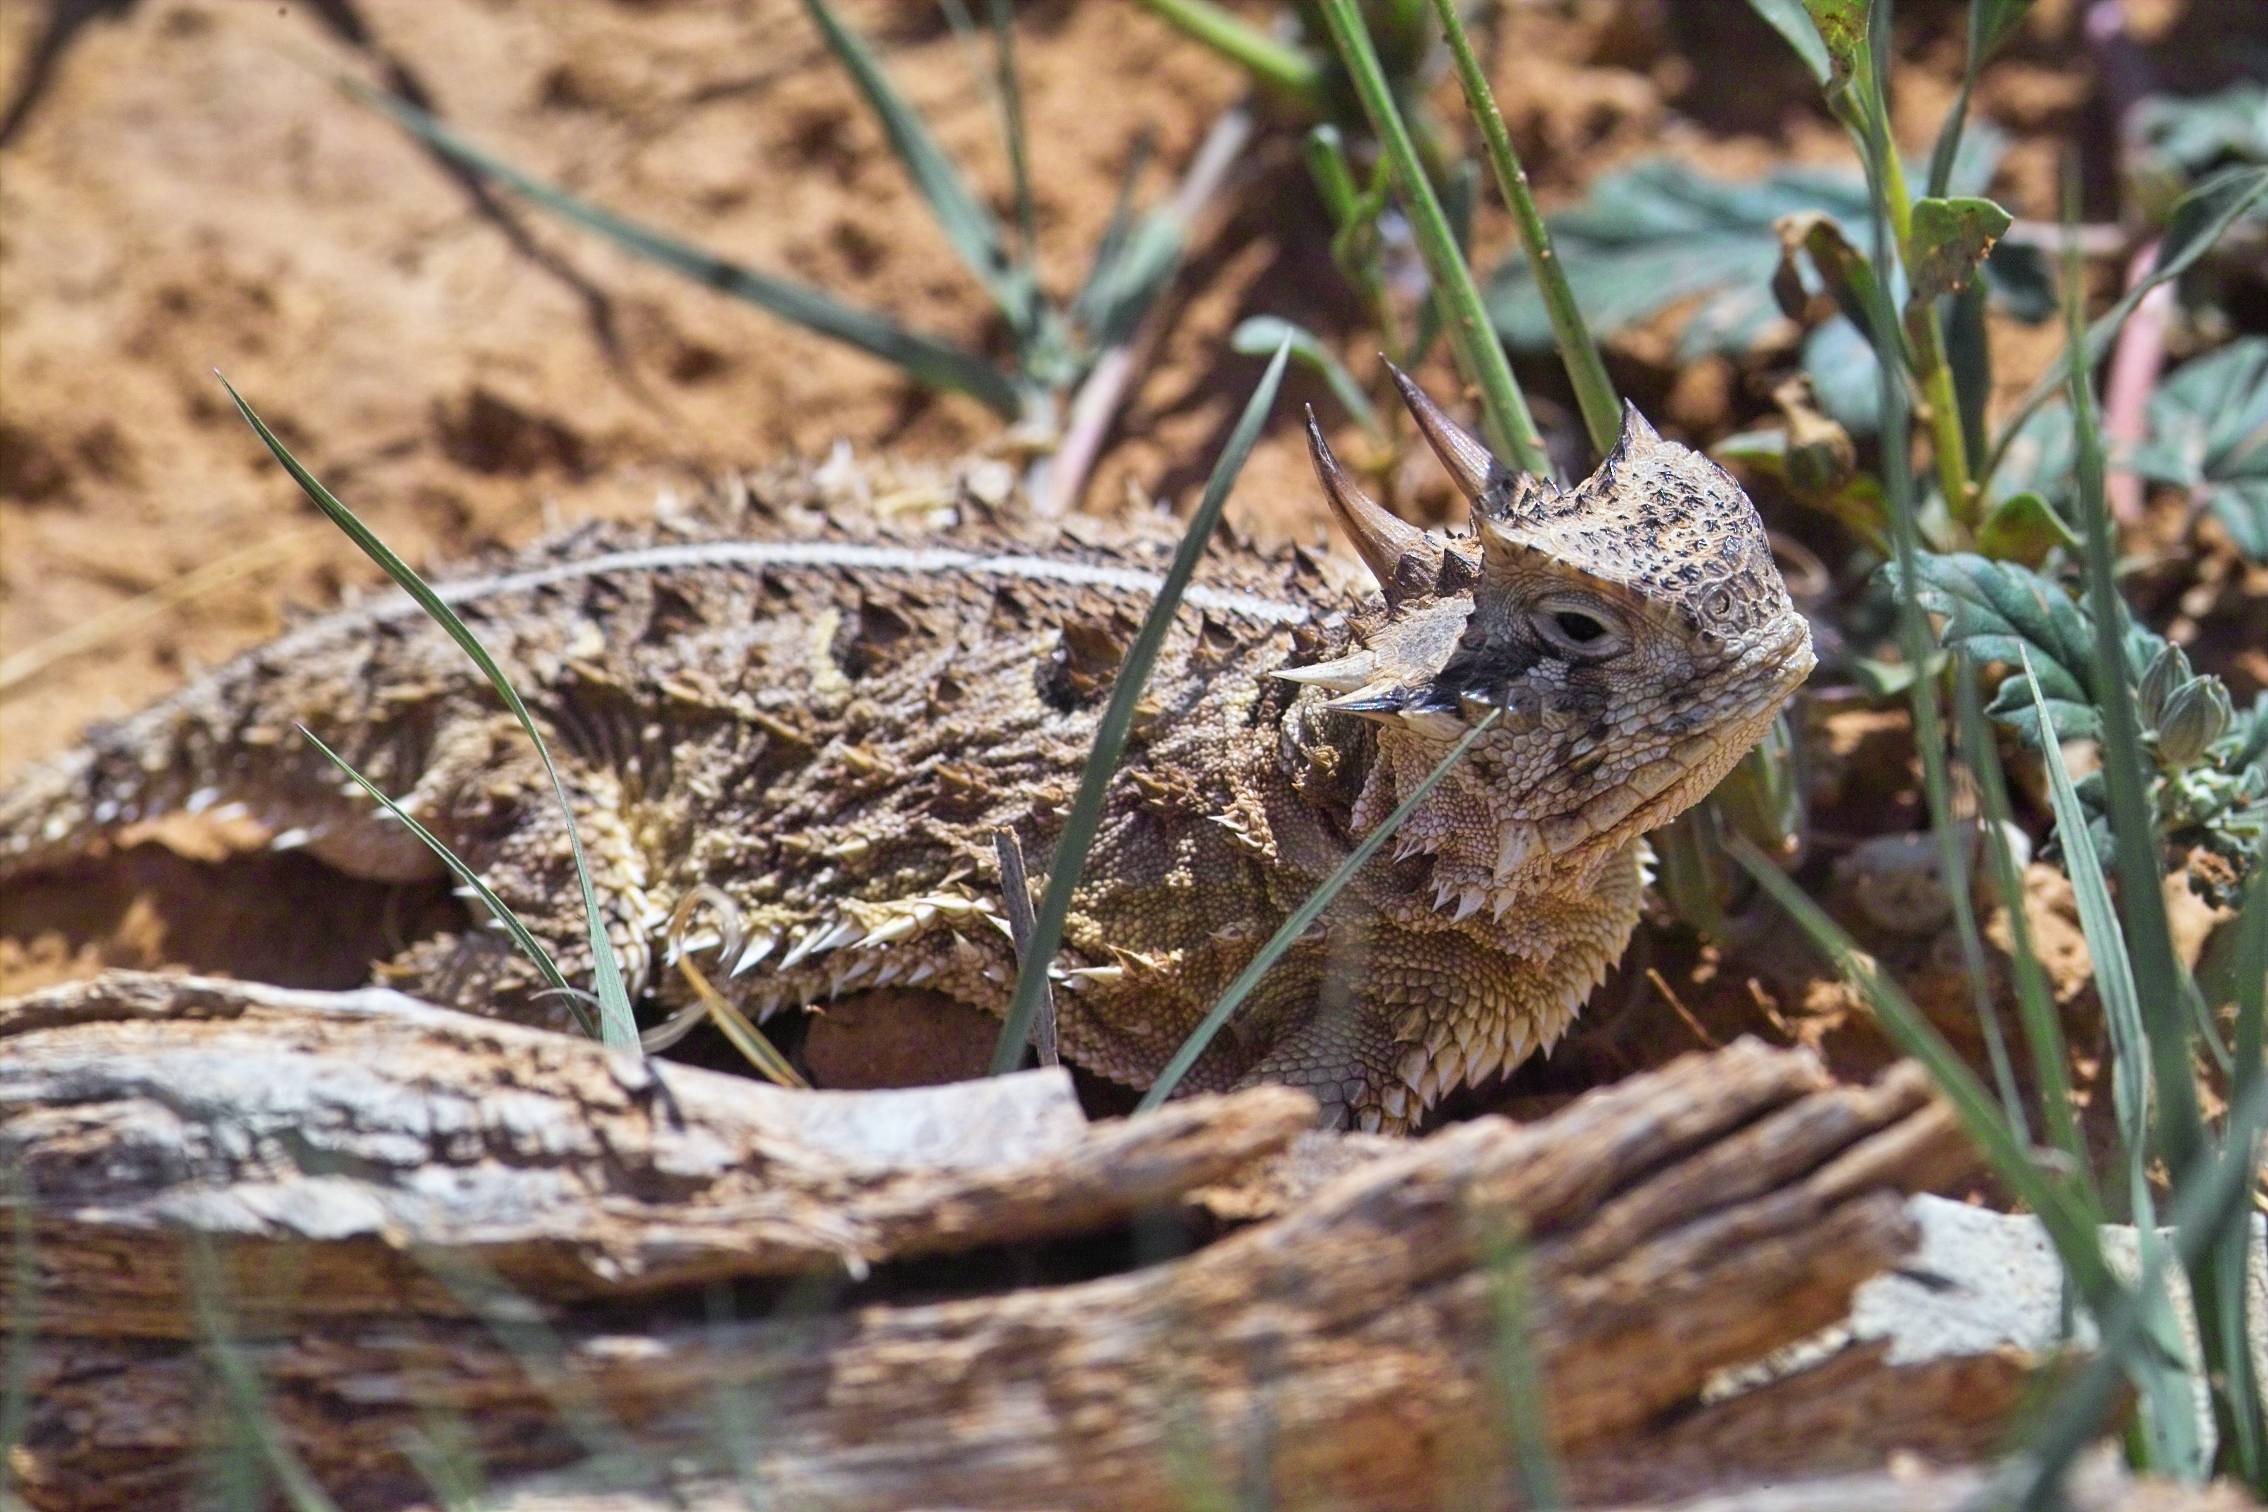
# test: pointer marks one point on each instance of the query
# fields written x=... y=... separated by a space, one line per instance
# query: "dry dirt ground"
x=183 y=189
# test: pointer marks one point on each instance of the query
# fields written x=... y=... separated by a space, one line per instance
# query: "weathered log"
x=2100 y=1484
x=526 y=1261
x=359 y=1126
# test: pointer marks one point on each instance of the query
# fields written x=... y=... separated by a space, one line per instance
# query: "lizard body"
x=827 y=717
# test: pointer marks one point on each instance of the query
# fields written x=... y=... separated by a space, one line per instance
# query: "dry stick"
x=1096 y=404
x=1016 y=888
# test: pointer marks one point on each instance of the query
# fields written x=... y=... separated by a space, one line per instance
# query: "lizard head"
x=1633 y=629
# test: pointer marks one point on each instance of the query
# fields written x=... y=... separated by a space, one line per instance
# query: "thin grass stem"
x=927 y=360
x=1274 y=65
x=1085 y=817
x=502 y=912
x=1511 y=429
x=23 y=1311
x=1306 y=914
x=1012 y=126
x=240 y=1385
x=1521 y=1390
x=2043 y=1025
x=616 y=1025
x=1586 y=370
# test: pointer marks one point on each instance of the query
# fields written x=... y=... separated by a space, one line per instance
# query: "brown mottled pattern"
x=781 y=693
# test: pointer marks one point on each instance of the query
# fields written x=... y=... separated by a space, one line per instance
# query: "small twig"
x=89 y=634
x=1097 y=401
x=1016 y=887
x=2136 y=362
x=1669 y=995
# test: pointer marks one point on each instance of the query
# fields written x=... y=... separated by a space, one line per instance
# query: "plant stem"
x=1511 y=429
x=1949 y=449
x=1272 y=64
x=1594 y=390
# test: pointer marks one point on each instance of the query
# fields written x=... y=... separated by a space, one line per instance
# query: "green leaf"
x=968 y=225
x=1792 y=20
x=1949 y=241
x=2002 y=612
x=1855 y=501
x=925 y=359
x=1842 y=28
x=1991 y=22
x=617 y=1027
x=1085 y=816
x=2023 y=528
x=1264 y=333
x=2208 y=433
x=2194 y=134
x=1658 y=233
x=2196 y=224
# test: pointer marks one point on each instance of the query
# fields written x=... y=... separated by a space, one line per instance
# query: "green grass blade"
x=1264 y=333
x=1886 y=194
x=616 y=1025
x=23 y=1310
x=1275 y=66
x=2245 y=1446
x=1089 y=304
x=1586 y=371
x=1292 y=928
x=1085 y=817
x=1521 y=1390
x=2149 y=936
x=1511 y=429
x=2068 y=1224
x=2114 y=973
x=2213 y=1195
x=967 y=224
x=1012 y=126
x=240 y=1385
x=929 y=361
x=2043 y=1024
x=2171 y=1419
x=2197 y=222
x=497 y=907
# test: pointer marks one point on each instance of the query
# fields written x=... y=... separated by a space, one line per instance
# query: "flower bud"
x=2197 y=714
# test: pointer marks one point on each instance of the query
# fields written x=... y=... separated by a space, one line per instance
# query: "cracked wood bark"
x=378 y=1170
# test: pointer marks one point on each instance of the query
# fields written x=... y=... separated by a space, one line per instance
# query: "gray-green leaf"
x=1996 y=612
x=2209 y=434
x=1659 y=232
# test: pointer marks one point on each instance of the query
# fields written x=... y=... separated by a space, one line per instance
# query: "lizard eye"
x=1578 y=629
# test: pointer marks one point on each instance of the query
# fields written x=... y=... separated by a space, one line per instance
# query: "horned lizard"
x=829 y=719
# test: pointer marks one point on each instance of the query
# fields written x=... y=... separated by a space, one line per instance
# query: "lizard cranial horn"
x=1342 y=676
x=1475 y=472
x=1383 y=542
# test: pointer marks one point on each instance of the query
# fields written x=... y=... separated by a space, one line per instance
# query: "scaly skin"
x=827 y=720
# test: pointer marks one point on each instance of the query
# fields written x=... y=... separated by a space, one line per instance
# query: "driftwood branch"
x=573 y=1260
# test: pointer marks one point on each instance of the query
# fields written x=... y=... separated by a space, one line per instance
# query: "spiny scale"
x=827 y=718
